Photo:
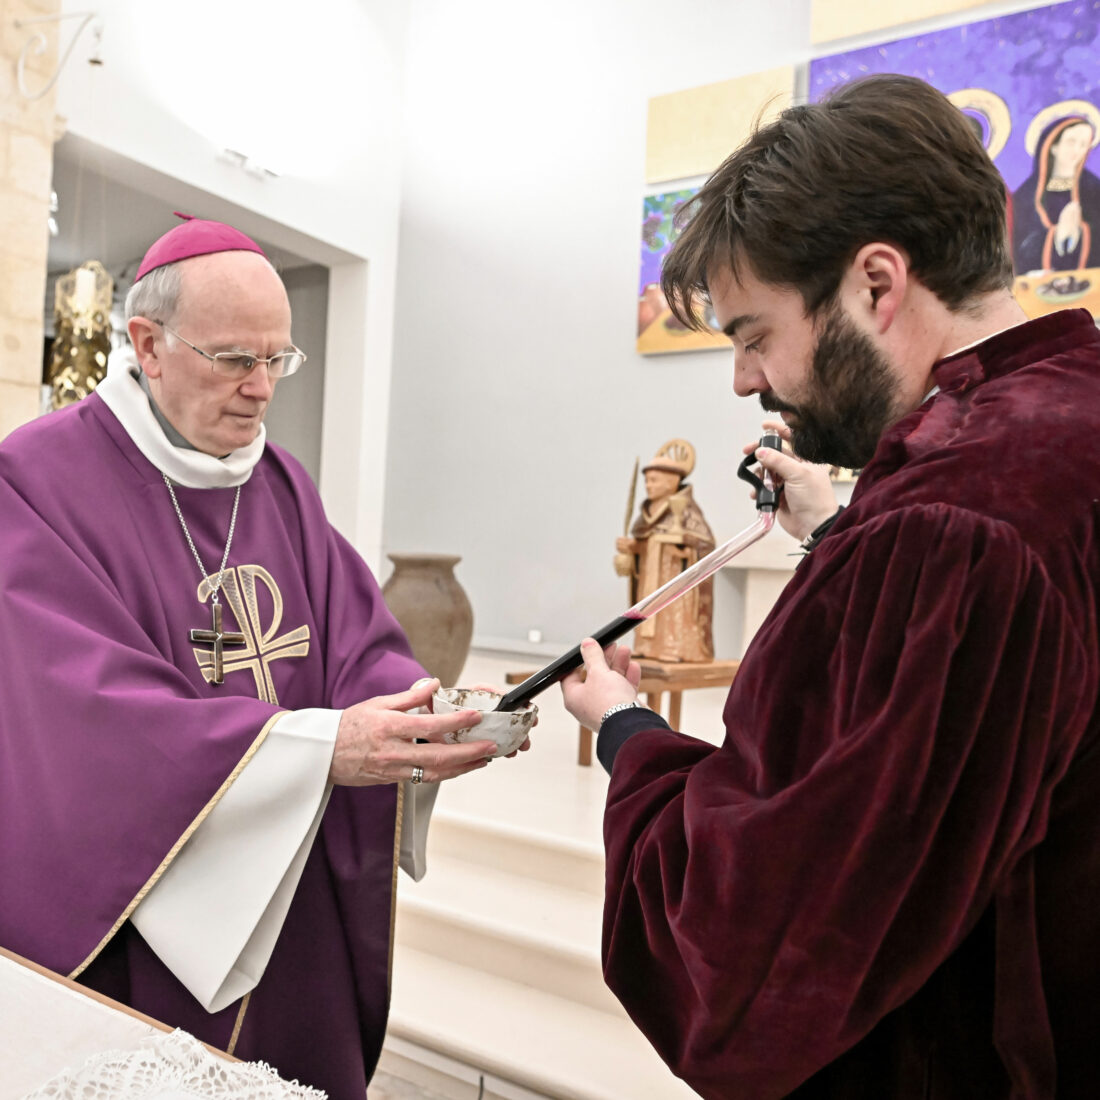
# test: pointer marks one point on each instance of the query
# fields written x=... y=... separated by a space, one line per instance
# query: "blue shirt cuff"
x=620 y=727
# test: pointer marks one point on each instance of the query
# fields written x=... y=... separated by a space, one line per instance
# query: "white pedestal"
x=761 y=573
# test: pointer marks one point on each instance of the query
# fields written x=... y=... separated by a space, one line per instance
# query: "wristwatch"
x=615 y=710
x=820 y=531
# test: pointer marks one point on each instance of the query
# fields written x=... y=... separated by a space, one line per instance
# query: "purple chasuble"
x=884 y=883
x=113 y=744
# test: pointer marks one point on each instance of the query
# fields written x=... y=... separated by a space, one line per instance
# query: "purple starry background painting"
x=1032 y=61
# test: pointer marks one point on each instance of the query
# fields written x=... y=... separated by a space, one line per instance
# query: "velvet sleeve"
x=893 y=738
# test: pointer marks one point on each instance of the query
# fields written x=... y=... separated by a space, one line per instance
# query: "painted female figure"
x=1056 y=209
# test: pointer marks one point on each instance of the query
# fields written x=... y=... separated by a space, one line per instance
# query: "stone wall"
x=27 y=133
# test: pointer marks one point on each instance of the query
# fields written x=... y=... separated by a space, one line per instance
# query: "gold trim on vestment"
x=262 y=645
x=399 y=820
x=240 y=1020
x=155 y=877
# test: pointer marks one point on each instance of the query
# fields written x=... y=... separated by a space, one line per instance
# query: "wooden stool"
x=675 y=677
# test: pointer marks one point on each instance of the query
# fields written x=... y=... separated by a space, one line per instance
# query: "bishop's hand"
x=376 y=741
x=610 y=677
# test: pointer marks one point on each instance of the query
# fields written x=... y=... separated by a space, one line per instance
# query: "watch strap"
x=615 y=710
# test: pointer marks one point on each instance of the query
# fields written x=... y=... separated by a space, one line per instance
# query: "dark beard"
x=851 y=398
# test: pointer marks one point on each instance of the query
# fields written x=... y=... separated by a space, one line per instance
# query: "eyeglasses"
x=236 y=364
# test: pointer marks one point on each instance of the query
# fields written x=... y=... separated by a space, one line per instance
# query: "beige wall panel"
x=23 y=287
x=690 y=133
x=21 y=344
x=18 y=405
x=23 y=225
x=26 y=162
x=831 y=19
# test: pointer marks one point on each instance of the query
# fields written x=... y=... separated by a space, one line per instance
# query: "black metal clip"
x=767 y=499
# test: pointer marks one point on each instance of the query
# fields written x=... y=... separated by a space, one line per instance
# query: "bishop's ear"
x=876 y=283
x=143 y=335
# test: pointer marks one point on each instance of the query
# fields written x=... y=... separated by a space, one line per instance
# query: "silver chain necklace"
x=215 y=637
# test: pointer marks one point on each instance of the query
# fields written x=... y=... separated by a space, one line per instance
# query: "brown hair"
x=887 y=158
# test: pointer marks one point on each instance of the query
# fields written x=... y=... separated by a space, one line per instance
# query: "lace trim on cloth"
x=175 y=1066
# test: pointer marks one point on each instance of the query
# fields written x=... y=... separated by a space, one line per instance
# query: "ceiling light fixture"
x=247 y=164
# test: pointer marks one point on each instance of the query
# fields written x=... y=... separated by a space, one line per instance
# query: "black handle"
x=766 y=499
x=565 y=664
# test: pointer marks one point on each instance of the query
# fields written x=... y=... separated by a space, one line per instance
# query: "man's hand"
x=376 y=741
x=807 y=499
x=610 y=677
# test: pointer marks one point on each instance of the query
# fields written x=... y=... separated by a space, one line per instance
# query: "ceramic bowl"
x=506 y=728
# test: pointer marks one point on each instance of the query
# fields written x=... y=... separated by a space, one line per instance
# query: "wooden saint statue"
x=668 y=536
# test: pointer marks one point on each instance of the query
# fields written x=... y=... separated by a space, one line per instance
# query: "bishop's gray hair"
x=157 y=295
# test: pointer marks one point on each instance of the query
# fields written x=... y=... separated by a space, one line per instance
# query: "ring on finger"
x=417 y=775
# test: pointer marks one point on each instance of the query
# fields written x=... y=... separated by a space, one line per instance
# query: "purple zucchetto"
x=195 y=237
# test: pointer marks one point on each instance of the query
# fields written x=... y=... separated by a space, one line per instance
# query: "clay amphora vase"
x=433 y=611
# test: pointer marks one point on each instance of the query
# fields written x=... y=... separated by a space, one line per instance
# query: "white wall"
x=312 y=91
x=295 y=419
x=519 y=403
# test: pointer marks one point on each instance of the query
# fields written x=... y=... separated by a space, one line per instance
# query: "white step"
x=408 y=1071
x=508 y=925
x=514 y=849
x=547 y=1044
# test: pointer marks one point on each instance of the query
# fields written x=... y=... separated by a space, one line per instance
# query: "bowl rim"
x=527 y=708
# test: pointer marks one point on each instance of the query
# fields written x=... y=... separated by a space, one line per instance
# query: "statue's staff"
x=624 y=563
x=630 y=498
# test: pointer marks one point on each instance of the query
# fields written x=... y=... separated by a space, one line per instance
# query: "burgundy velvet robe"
x=886 y=881
x=112 y=743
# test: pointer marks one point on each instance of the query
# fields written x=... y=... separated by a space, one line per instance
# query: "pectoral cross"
x=217 y=638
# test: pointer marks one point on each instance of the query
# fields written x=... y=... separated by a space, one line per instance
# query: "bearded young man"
x=881 y=883
x=206 y=744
